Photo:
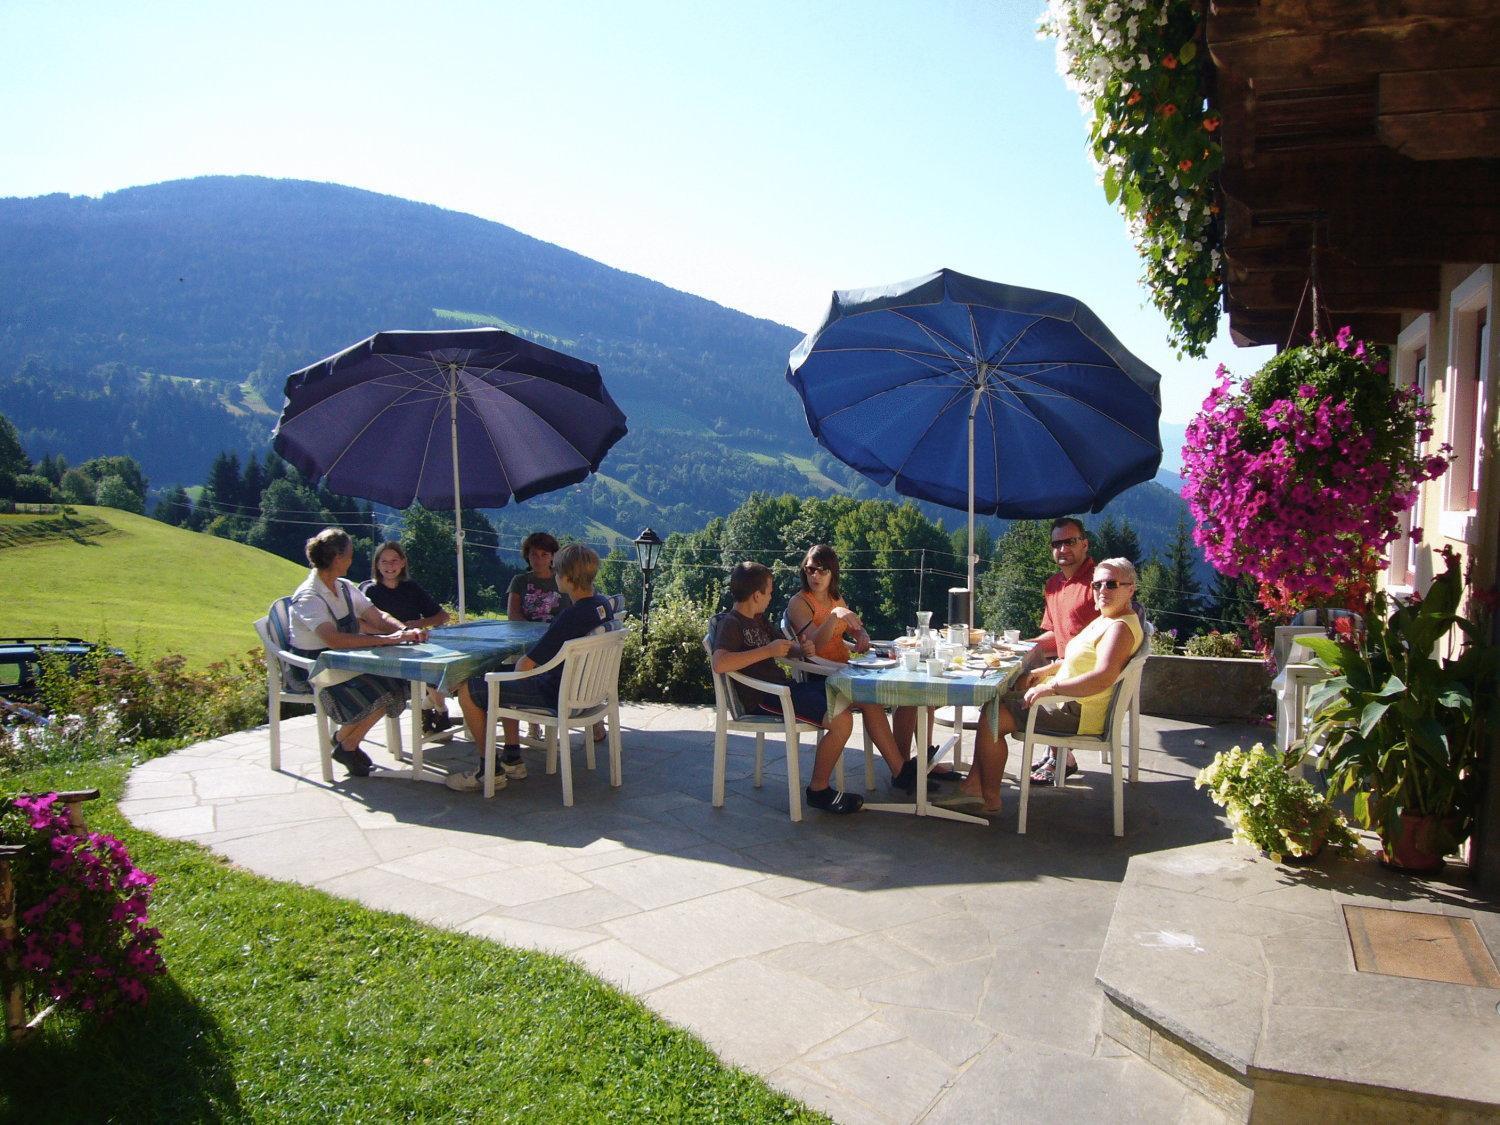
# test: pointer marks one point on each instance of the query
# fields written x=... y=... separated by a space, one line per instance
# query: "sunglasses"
x=1108 y=584
x=815 y=569
x=1068 y=542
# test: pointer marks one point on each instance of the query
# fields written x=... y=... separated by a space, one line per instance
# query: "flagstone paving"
x=882 y=968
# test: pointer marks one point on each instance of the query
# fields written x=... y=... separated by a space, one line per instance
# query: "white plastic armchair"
x=287 y=682
x=1124 y=707
x=589 y=693
x=730 y=716
x=817 y=666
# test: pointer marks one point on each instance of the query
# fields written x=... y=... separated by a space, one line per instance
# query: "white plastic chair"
x=589 y=693
x=817 y=666
x=287 y=682
x=290 y=686
x=1124 y=705
x=730 y=716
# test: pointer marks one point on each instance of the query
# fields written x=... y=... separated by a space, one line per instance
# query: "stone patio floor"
x=882 y=968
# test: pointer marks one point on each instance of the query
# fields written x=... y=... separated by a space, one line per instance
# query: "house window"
x=1411 y=370
x=1468 y=377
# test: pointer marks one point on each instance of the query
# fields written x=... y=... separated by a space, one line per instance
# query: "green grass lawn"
x=283 y=1003
x=147 y=587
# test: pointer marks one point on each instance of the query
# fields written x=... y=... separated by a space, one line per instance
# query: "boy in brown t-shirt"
x=745 y=641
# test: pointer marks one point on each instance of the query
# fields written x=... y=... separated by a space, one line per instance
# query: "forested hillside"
x=162 y=321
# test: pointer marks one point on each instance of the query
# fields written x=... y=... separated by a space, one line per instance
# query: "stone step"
x=1236 y=977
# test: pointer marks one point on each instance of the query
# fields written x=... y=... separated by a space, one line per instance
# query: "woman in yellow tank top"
x=1083 y=678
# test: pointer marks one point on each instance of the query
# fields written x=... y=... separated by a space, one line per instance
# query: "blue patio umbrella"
x=477 y=416
x=980 y=396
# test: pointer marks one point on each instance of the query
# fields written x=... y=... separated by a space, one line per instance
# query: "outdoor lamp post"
x=647 y=550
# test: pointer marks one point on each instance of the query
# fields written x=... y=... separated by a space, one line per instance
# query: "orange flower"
x=1135 y=96
x=1184 y=165
x=1169 y=110
x=1211 y=122
x=1214 y=207
x=1170 y=62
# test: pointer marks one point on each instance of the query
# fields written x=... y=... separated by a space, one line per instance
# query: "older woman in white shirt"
x=328 y=611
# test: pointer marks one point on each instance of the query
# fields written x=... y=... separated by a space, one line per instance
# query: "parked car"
x=21 y=658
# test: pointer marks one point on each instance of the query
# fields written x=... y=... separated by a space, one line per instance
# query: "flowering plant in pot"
x=1404 y=727
x=84 y=938
x=1298 y=477
x=1272 y=809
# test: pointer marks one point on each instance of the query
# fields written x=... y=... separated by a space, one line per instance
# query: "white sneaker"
x=516 y=770
x=470 y=781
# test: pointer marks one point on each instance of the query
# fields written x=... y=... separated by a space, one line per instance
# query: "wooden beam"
x=1443 y=136
x=1338 y=39
x=1258 y=327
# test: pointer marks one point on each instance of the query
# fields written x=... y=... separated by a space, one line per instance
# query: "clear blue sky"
x=759 y=154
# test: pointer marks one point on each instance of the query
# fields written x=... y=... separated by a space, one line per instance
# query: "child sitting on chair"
x=575 y=566
x=745 y=641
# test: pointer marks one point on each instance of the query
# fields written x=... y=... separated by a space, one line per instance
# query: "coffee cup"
x=1012 y=636
x=935 y=666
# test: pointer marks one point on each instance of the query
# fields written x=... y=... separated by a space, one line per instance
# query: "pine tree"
x=1010 y=593
x=1169 y=587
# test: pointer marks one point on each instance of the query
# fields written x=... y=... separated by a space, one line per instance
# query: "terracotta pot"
x=1416 y=847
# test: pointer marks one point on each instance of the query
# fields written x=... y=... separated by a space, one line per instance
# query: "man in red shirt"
x=1070 y=606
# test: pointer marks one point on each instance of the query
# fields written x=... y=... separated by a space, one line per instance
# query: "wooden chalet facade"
x=1371 y=130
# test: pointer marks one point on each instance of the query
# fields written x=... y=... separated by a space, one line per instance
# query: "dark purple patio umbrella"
x=433 y=417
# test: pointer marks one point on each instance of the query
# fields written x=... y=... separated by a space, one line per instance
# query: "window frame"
x=1470 y=372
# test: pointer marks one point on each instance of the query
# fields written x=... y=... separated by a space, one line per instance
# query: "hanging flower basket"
x=1298 y=476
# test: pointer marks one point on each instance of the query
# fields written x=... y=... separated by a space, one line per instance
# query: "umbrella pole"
x=458 y=508
x=969 y=555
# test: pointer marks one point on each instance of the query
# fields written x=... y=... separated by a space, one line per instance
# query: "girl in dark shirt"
x=392 y=590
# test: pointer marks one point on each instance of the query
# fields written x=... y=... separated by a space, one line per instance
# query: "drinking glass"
x=924 y=619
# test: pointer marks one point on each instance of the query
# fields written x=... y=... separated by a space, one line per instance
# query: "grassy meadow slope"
x=149 y=588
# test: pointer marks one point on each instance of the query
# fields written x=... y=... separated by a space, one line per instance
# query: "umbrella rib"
x=892 y=390
x=1054 y=392
x=952 y=400
x=932 y=334
x=499 y=460
x=348 y=445
x=426 y=450
x=1067 y=454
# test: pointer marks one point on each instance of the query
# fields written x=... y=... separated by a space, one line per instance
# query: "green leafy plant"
x=669 y=664
x=1403 y=727
x=1141 y=76
x=1215 y=643
x=1270 y=808
x=1164 y=642
x=102 y=703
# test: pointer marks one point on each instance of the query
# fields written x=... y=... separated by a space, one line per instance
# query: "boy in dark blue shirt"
x=575 y=567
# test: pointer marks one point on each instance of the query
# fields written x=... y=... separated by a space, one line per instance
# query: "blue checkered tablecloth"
x=451 y=655
x=896 y=687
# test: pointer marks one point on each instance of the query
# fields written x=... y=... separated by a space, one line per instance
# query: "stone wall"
x=1206 y=687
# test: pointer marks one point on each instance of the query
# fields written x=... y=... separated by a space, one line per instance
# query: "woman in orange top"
x=825 y=626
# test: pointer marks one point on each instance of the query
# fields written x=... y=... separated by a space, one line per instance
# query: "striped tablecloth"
x=451 y=655
x=896 y=687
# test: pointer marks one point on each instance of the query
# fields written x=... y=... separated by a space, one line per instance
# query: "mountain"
x=161 y=322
